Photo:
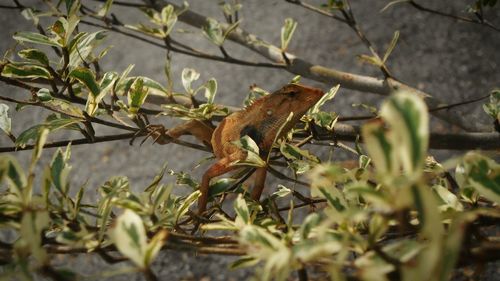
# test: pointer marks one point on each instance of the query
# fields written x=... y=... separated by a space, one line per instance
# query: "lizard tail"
x=260 y=180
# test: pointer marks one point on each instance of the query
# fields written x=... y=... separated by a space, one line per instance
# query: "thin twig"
x=452 y=16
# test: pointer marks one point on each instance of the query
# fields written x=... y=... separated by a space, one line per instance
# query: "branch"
x=321 y=73
x=452 y=16
x=457 y=141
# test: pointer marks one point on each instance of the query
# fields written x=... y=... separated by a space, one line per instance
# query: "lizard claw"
x=157 y=132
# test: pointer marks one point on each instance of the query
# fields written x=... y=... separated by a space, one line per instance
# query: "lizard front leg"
x=219 y=168
x=201 y=130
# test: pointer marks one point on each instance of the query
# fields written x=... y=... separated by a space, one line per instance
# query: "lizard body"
x=260 y=121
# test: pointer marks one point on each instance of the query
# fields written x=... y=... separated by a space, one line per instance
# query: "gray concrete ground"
x=453 y=61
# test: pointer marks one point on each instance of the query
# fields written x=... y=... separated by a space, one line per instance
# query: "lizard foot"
x=157 y=132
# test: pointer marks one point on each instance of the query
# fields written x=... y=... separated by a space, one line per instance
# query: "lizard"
x=260 y=121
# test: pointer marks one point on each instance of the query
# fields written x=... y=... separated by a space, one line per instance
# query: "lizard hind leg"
x=260 y=180
x=221 y=167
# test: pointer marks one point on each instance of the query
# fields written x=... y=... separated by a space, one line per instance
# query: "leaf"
x=188 y=76
x=87 y=78
x=37 y=38
x=44 y=95
x=103 y=11
x=154 y=246
x=311 y=221
x=137 y=95
x=129 y=236
x=34 y=55
x=37 y=151
x=391 y=46
x=11 y=171
x=326 y=97
x=210 y=90
x=105 y=86
x=482 y=174
x=18 y=70
x=241 y=209
x=282 y=191
x=5 y=121
x=59 y=170
x=408 y=118
x=63 y=28
x=393 y=3
x=53 y=123
x=252 y=158
x=493 y=107
x=82 y=46
x=380 y=147
x=186 y=203
x=370 y=60
x=213 y=31
x=32 y=224
x=168 y=18
x=287 y=32
x=245 y=261
x=399 y=144
x=153 y=87
x=220 y=186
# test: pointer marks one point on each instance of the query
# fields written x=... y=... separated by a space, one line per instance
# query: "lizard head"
x=294 y=98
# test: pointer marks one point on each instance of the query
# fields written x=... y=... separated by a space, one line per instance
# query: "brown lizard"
x=260 y=121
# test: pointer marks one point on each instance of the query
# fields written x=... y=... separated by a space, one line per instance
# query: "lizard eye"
x=269 y=113
x=292 y=94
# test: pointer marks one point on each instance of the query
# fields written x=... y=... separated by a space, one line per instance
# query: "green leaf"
x=37 y=38
x=391 y=47
x=311 y=221
x=241 y=209
x=34 y=55
x=105 y=87
x=129 y=236
x=63 y=28
x=220 y=186
x=326 y=97
x=53 y=123
x=103 y=11
x=168 y=18
x=393 y=3
x=482 y=174
x=154 y=246
x=11 y=171
x=210 y=90
x=137 y=95
x=153 y=87
x=245 y=261
x=37 y=151
x=32 y=224
x=287 y=32
x=44 y=95
x=82 y=46
x=282 y=191
x=408 y=118
x=379 y=147
x=87 y=78
x=399 y=144
x=18 y=70
x=5 y=121
x=59 y=171
x=186 y=203
x=493 y=107
x=252 y=158
x=213 y=31
x=188 y=76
